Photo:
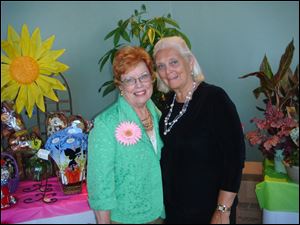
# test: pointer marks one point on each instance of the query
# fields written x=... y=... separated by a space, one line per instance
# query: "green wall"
x=228 y=38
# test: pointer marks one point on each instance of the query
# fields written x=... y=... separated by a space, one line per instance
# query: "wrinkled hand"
x=220 y=218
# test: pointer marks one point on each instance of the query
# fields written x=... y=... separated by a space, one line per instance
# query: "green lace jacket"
x=124 y=179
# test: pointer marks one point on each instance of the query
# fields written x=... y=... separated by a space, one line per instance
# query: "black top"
x=203 y=153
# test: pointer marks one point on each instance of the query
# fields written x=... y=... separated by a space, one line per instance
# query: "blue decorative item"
x=68 y=148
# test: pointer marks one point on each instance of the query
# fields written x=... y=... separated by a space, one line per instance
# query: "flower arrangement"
x=128 y=133
x=278 y=129
x=273 y=132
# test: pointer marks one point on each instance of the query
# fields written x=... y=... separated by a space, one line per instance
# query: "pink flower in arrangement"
x=273 y=132
x=128 y=133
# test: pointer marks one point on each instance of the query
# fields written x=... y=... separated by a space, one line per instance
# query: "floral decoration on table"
x=278 y=129
x=128 y=133
x=26 y=69
x=273 y=132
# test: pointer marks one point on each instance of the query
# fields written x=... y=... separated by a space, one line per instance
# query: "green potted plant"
x=145 y=33
x=281 y=92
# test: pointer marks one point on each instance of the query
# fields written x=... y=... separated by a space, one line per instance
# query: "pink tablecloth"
x=65 y=204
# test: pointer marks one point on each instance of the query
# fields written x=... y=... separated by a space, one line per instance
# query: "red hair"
x=128 y=57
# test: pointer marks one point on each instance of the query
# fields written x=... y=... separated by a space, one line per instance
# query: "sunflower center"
x=128 y=133
x=24 y=69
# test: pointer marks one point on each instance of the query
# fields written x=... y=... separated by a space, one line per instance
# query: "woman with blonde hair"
x=204 y=150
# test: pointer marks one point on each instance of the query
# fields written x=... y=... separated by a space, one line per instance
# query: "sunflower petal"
x=39 y=98
x=31 y=96
x=8 y=49
x=46 y=46
x=55 y=84
x=29 y=111
x=5 y=77
x=35 y=43
x=5 y=59
x=46 y=89
x=45 y=71
x=51 y=56
x=21 y=100
x=14 y=38
x=25 y=40
x=10 y=91
x=53 y=67
x=61 y=67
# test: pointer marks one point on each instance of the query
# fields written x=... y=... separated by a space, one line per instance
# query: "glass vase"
x=278 y=161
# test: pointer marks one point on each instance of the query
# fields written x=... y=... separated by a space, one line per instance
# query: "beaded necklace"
x=180 y=114
x=148 y=123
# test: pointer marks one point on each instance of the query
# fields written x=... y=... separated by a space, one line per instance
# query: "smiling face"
x=136 y=85
x=173 y=68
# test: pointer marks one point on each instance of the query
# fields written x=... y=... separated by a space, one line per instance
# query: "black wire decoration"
x=43 y=195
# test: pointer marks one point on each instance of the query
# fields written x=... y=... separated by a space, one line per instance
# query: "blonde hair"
x=176 y=42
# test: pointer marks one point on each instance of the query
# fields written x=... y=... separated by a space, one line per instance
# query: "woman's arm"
x=226 y=199
x=103 y=217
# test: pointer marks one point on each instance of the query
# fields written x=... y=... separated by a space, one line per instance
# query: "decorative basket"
x=14 y=171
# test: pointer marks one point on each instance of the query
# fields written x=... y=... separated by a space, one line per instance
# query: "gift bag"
x=68 y=148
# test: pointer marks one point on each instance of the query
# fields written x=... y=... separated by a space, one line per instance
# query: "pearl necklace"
x=182 y=111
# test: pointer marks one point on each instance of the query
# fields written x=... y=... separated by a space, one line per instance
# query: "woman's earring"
x=192 y=73
x=121 y=92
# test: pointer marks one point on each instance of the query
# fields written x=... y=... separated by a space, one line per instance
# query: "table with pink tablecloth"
x=65 y=204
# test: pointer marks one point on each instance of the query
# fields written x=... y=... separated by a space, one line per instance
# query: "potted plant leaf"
x=146 y=33
x=281 y=91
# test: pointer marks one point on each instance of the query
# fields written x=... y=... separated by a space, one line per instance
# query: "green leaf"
x=113 y=52
x=266 y=68
x=103 y=57
x=104 y=61
x=143 y=8
x=160 y=23
x=124 y=25
x=125 y=35
x=170 y=32
x=156 y=31
x=151 y=35
x=111 y=87
x=110 y=34
x=117 y=37
x=136 y=13
x=185 y=38
x=105 y=84
x=144 y=38
x=171 y=21
x=120 y=23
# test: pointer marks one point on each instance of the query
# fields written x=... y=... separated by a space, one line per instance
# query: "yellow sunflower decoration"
x=26 y=69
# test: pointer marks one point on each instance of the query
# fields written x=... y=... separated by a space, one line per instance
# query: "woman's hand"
x=220 y=217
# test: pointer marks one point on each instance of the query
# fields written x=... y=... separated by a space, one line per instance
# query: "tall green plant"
x=146 y=33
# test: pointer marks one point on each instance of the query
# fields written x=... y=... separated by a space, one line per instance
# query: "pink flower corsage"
x=128 y=133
